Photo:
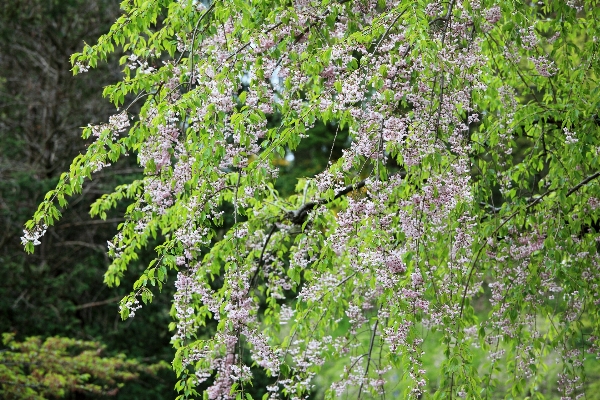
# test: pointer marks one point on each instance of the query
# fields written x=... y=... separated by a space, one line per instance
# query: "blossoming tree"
x=464 y=210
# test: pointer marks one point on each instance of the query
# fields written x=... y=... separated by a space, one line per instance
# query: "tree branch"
x=98 y=303
x=299 y=216
x=531 y=204
x=261 y=260
x=582 y=183
x=369 y=358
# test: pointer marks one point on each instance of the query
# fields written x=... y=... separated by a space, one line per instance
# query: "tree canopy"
x=462 y=211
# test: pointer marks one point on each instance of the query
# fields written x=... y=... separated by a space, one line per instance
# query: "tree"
x=36 y=370
x=464 y=211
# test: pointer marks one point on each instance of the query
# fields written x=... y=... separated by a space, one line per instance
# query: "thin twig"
x=261 y=260
x=368 y=358
x=93 y=222
x=195 y=31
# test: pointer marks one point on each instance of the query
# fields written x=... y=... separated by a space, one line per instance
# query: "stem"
x=368 y=358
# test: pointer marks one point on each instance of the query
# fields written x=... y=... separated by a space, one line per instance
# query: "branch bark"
x=583 y=182
x=299 y=216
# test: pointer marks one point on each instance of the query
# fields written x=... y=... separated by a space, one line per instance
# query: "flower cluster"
x=33 y=235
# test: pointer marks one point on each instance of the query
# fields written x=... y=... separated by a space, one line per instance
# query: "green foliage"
x=55 y=367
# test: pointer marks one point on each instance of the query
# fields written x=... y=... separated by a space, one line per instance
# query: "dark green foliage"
x=57 y=367
x=323 y=144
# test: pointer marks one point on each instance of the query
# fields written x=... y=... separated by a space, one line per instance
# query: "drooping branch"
x=531 y=204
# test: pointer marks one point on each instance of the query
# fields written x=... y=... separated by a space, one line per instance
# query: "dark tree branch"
x=98 y=303
x=261 y=259
x=575 y=188
x=299 y=216
x=369 y=357
x=582 y=183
